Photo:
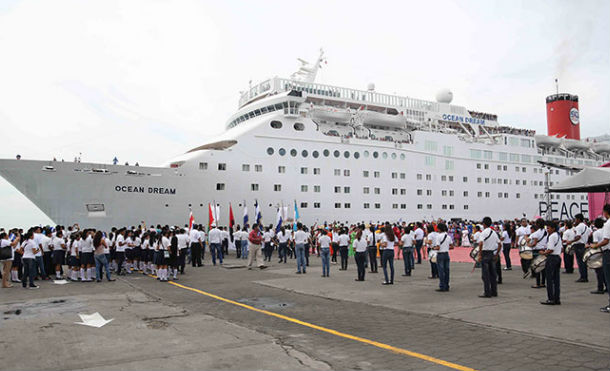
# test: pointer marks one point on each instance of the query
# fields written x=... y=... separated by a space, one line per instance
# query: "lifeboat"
x=547 y=141
x=603 y=148
x=331 y=114
x=373 y=118
x=575 y=145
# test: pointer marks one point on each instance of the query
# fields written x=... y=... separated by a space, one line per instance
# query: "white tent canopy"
x=590 y=179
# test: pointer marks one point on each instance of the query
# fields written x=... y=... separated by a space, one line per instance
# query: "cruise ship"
x=338 y=154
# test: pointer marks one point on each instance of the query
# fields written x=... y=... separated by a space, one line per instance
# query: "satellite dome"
x=444 y=96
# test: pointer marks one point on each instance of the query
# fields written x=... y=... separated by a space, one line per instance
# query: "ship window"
x=303 y=170
x=375 y=154
x=346 y=189
x=347 y=205
x=346 y=154
x=304 y=153
x=258 y=168
x=270 y=151
x=222 y=145
x=346 y=172
x=366 y=154
x=316 y=171
x=385 y=155
x=222 y=166
x=337 y=205
x=315 y=154
x=303 y=205
x=220 y=186
x=402 y=156
x=316 y=205
x=316 y=188
x=281 y=169
x=293 y=152
x=254 y=187
x=277 y=187
x=366 y=205
x=304 y=188
x=336 y=153
x=203 y=166
x=356 y=155
x=95 y=207
x=276 y=124
x=377 y=206
x=420 y=206
x=245 y=167
x=326 y=153
x=366 y=190
x=393 y=156
x=298 y=126
x=282 y=151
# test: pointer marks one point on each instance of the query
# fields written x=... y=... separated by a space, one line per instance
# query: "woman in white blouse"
x=388 y=239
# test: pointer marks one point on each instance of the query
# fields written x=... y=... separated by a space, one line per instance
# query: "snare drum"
x=432 y=256
x=526 y=252
x=593 y=258
x=568 y=250
x=475 y=252
x=538 y=264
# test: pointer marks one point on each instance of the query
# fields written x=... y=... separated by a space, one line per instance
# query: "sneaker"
x=597 y=292
x=548 y=302
x=34 y=287
x=508 y=268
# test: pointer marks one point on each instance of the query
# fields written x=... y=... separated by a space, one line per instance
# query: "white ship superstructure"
x=342 y=154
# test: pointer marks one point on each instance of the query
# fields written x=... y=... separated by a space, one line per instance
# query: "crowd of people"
x=86 y=255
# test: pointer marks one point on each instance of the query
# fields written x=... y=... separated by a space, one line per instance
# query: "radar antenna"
x=307 y=72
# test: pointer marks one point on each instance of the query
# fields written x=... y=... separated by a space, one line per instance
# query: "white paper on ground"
x=93 y=320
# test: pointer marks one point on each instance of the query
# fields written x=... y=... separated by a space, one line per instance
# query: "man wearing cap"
x=215 y=238
x=255 y=239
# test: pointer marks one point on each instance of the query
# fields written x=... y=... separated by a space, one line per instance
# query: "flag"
x=191 y=221
x=279 y=220
x=257 y=213
x=216 y=212
x=211 y=215
x=296 y=215
x=231 y=218
x=245 y=214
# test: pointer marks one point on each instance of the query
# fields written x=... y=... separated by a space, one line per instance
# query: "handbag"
x=6 y=252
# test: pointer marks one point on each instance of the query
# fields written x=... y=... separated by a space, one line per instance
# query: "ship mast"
x=306 y=72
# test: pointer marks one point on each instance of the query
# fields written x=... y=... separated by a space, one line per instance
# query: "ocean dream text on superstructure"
x=141 y=189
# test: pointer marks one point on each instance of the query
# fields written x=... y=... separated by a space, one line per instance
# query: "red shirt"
x=255 y=237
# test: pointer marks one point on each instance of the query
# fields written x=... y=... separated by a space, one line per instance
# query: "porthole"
x=282 y=151
x=366 y=154
x=385 y=155
x=293 y=152
x=276 y=124
x=190 y=205
x=201 y=205
x=346 y=154
x=336 y=153
x=375 y=154
x=270 y=151
x=304 y=153
x=393 y=156
x=356 y=155
x=402 y=156
x=326 y=153
x=298 y=126
x=315 y=154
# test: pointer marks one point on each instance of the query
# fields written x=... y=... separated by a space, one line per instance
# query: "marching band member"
x=581 y=235
x=443 y=244
x=605 y=246
x=598 y=236
x=490 y=246
x=506 y=244
x=523 y=233
x=538 y=240
x=567 y=238
x=553 y=263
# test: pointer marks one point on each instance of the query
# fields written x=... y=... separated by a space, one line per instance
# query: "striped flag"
x=279 y=220
x=257 y=213
x=245 y=213
x=191 y=220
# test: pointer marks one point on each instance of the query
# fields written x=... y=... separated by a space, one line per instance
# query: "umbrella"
x=590 y=179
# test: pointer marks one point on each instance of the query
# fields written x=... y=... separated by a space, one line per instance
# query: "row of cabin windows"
x=336 y=153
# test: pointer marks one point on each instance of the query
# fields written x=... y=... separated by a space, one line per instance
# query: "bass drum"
x=539 y=263
x=593 y=258
x=475 y=252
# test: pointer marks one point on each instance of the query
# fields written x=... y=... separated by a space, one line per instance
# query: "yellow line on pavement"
x=331 y=331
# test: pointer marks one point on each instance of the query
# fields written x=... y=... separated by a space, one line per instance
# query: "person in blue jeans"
x=388 y=240
x=324 y=243
x=99 y=244
x=300 y=239
x=443 y=244
x=30 y=248
x=406 y=242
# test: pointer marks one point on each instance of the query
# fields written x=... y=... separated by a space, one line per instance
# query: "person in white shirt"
x=163 y=256
x=442 y=244
x=196 y=247
x=47 y=252
x=407 y=243
x=335 y=243
x=372 y=241
x=419 y=241
x=360 y=246
x=86 y=257
x=429 y=241
x=244 y=242
x=137 y=251
x=507 y=241
x=59 y=253
x=538 y=241
x=38 y=262
x=522 y=233
x=7 y=264
x=324 y=242
x=300 y=239
x=121 y=244
x=553 y=263
x=225 y=241
x=30 y=247
x=183 y=244
x=283 y=237
x=568 y=255
x=268 y=247
x=490 y=246
x=388 y=239
x=581 y=234
x=215 y=238
x=202 y=237
x=343 y=241
x=604 y=244
x=598 y=236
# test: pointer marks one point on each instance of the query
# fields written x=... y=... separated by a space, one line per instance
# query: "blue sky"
x=144 y=80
